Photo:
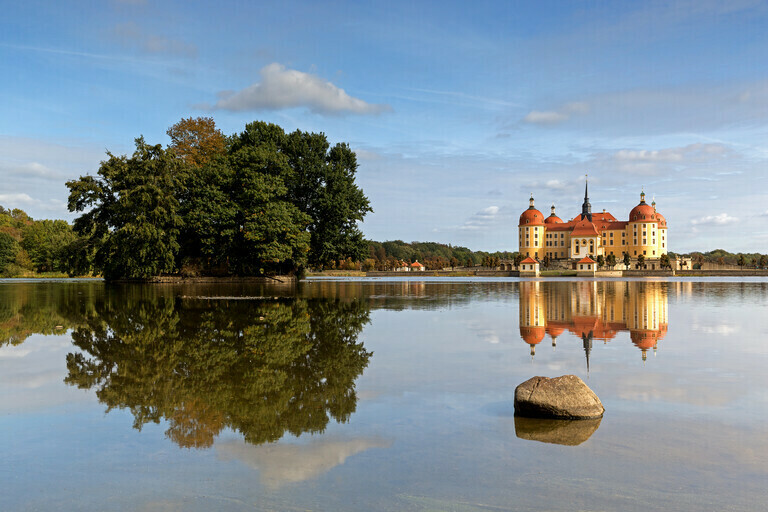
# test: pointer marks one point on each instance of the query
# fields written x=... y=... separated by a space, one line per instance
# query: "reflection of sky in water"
x=684 y=430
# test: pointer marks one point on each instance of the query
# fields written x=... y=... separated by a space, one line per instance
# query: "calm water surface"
x=381 y=395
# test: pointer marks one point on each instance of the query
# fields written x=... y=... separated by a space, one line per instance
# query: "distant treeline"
x=433 y=255
x=29 y=247
x=723 y=257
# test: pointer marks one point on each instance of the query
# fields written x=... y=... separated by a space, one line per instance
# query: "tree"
x=197 y=141
x=8 y=249
x=518 y=258
x=611 y=260
x=641 y=260
x=627 y=259
x=45 y=242
x=600 y=260
x=132 y=222
x=322 y=185
x=454 y=262
x=664 y=261
x=741 y=260
x=763 y=261
x=273 y=235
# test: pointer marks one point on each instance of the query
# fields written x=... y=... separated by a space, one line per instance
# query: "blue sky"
x=457 y=110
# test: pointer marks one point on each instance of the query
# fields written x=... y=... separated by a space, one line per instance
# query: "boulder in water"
x=565 y=397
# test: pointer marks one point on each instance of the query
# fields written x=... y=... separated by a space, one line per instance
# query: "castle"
x=589 y=235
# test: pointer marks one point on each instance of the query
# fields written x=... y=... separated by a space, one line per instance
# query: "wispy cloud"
x=282 y=88
x=33 y=170
x=131 y=35
x=16 y=199
x=545 y=117
x=482 y=220
x=453 y=96
x=696 y=151
x=722 y=219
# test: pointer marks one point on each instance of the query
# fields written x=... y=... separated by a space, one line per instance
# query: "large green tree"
x=130 y=212
x=273 y=230
x=322 y=185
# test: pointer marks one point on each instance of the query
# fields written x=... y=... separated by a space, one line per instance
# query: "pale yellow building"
x=594 y=234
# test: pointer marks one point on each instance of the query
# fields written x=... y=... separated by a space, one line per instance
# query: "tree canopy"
x=258 y=202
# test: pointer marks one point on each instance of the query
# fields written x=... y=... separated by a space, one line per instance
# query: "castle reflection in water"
x=593 y=310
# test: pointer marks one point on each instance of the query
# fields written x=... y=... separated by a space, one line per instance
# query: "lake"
x=377 y=394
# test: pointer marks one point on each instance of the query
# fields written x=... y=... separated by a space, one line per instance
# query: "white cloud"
x=14 y=199
x=31 y=169
x=481 y=220
x=544 y=117
x=696 y=151
x=556 y=185
x=556 y=116
x=131 y=35
x=721 y=219
x=281 y=88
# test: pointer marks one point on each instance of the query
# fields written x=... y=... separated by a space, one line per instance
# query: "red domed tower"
x=531 y=231
x=553 y=219
x=647 y=232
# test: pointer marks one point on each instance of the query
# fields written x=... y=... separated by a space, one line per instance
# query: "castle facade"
x=589 y=235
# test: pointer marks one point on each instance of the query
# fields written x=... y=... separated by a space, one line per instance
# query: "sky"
x=458 y=111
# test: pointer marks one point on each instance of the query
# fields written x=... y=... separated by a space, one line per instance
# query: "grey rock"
x=565 y=397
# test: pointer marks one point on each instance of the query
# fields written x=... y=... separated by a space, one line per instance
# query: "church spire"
x=586 y=208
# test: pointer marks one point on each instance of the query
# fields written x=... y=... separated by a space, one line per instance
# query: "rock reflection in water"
x=262 y=368
x=566 y=432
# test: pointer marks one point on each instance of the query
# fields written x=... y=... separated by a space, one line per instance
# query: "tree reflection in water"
x=260 y=367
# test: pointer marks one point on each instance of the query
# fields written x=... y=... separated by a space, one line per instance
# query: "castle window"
x=643 y=253
x=635 y=253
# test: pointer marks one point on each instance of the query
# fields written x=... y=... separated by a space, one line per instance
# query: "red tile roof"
x=585 y=228
x=529 y=260
x=587 y=259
